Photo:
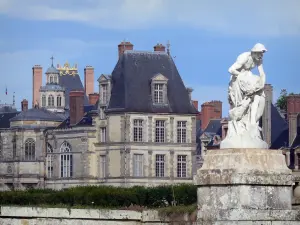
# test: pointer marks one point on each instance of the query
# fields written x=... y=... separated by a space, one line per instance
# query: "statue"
x=247 y=101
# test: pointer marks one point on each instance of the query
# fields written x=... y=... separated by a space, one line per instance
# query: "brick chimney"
x=210 y=110
x=89 y=80
x=37 y=78
x=93 y=98
x=76 y=106
x=266 y=118
x=123 y=46
x=24 y=105
x=159 y=48
x=293 y=110
x=196 y=105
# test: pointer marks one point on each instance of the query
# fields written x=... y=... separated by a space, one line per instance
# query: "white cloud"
x=233 y=17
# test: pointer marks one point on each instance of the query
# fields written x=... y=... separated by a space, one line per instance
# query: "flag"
x=6 y=91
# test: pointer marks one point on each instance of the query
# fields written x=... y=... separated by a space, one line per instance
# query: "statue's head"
x=257 y=51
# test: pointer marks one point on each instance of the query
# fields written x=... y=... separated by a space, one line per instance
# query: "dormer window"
x=104 y=93
x=104 y=89
x=159 y=89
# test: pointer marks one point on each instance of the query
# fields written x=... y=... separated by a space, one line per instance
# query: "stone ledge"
x=250 y=214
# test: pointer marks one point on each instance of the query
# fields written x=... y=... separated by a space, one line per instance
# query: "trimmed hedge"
x=104 y=196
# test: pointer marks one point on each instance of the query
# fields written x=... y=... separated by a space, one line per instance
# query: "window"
x=138 y=130
x=102 y=166
x=102 y=113
x=50 y=100
x=159 y=131
x=30 y=149
x=66 y=160
x=49 y=161
x=160 y=165
x=138 y=165
x=55 y=79
x=14 y=142
x=159 y=93
x=104 y=93
x=58 y=100
x=1 y=148
x=43 y=101
x=181 y=131
x=181 y=165
x=103 y=134
x=51 y=79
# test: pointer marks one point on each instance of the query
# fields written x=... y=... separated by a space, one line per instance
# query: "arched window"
x=30 y=149
x=43 y=101
x=59 y=100
x=66 y=160
x=1 y=148
x=51 y=79
x=49 y=162
x=50 y=100
x=55 y=80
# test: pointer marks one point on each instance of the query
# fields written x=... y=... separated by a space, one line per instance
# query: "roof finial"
x=14 y=99
x=168 y=47
x=52 y=60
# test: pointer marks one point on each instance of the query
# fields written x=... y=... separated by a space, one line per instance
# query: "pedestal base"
x=236 y=185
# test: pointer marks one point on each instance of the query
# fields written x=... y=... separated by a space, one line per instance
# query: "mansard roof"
x=131 y=84
x=37 y=114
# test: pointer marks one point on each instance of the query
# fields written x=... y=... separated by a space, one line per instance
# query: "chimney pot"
x=159 y=48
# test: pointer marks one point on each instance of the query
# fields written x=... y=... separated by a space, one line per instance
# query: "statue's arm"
x=237 y=66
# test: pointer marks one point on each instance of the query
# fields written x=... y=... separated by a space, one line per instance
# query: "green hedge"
x=104 y=196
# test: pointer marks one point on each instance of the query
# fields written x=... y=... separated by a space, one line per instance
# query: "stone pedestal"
x=245 y=186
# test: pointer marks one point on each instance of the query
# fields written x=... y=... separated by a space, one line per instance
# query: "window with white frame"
x=181 y=131
x=138 y=165
x=159 y=165
x=160 y=131
x=50 y=100
x=104 y=88
x=137 y=130
x=66 y=160
x=181 y=166
x=158 y=93
x=58 y=100
x=102 y=166
x=49 y=161
x=103 y=134
x=51 y=79
x=43 y=101
x=29 y=149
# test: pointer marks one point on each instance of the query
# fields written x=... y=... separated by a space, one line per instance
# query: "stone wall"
x=63 y=216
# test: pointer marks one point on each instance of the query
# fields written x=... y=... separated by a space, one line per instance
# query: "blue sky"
x=205 y=37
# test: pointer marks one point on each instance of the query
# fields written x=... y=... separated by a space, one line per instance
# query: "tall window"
x=50 y=100
x=104 y=93
x=181 y=132
x=66 y=160
x=1 y=148
x=160 y=165
x=138 y=165
x=158 y=93
x=181 y=165
x=102 y=113
x=103 y=134
x=138 y=130
x=159 y=131
x=49 y=162
x=102 y=166
x=43 y=101
x=58 y=100
x=51 y=79
x=30 y=149
x=14 y=142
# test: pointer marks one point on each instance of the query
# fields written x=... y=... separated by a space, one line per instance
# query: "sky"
x=205 y=36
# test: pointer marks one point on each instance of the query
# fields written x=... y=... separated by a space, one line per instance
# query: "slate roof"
x=214 y=127
x=5 y=119
x=131 y=80
x=52 y=87
x=52 y=69
x=36 y=114
x=71 y=82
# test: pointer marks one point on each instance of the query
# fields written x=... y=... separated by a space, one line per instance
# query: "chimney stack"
x=293 y=109
x=210 y=110
x=76 y=106
x=123 y=46
x=266 y=118
x=93 y=98
x=159 y=48
x=37 y=78
x=89 y=80
x=24 y=105
x=190 y=90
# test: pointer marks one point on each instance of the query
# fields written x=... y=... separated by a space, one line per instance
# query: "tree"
x=281 y=102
